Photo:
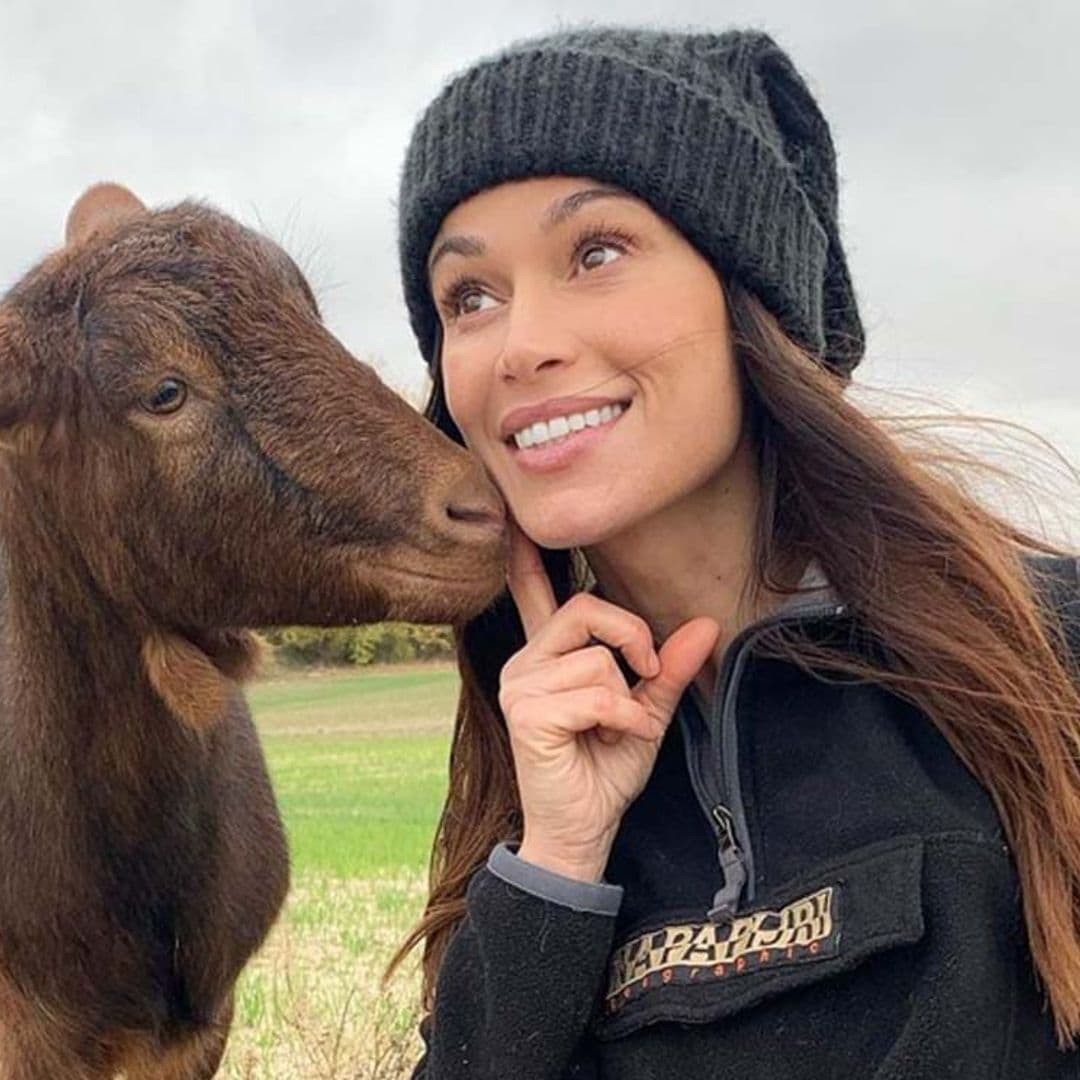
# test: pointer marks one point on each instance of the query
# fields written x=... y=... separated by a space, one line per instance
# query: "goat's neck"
x=81 y=723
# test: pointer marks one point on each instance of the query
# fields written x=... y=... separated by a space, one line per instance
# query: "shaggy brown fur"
x=186 y=451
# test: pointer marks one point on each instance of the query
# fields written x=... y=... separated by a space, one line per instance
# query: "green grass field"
x=359 y=763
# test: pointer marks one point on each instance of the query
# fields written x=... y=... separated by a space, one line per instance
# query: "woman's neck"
x=692 y=558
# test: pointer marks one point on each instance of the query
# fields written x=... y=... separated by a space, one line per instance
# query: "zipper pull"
x=726 y=901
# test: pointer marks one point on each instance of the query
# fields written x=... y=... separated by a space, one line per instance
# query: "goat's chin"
x=381 y=596
x=423 y=599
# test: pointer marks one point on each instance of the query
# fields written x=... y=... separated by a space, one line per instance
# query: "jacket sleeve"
x=520 y=977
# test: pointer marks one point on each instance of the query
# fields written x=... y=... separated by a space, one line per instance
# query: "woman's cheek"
x=457 y=402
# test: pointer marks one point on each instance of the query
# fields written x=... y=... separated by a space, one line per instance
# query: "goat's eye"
x=168 y=396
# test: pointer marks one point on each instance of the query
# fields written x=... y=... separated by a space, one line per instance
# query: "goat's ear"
x=99 y=209
x=197 y=681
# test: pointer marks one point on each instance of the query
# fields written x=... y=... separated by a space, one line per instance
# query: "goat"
x=185 y=452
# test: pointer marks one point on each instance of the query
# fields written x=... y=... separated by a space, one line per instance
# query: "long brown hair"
x=898 y=536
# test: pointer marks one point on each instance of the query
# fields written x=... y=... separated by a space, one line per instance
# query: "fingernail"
x=654 y=666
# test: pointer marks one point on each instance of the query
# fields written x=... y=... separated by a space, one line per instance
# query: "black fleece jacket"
x=812 y=886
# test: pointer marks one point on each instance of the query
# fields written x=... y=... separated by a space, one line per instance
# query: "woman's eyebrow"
x=563 y=208
x=555 y=214
x=456 y=245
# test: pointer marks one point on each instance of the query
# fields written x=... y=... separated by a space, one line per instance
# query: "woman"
x=768 y=766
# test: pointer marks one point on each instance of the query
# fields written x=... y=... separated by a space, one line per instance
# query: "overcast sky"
x=956 y=126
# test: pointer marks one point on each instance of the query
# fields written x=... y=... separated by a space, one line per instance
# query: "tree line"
x=378 y=643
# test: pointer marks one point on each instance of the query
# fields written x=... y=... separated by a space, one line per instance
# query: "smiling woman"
x=776 y=727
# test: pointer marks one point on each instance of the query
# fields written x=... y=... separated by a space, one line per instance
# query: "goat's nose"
x=473 y=510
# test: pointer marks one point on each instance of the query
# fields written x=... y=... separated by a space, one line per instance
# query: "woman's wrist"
x=591 y=897
x=587 y=865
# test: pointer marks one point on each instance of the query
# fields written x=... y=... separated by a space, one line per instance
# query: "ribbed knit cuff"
x=595 y=898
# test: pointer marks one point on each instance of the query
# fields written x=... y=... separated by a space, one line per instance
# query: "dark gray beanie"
x=717 y=132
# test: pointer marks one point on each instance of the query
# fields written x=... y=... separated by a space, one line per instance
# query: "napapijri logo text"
x=804 y=930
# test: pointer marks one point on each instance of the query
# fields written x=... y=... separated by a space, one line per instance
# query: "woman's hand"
x=583 y=741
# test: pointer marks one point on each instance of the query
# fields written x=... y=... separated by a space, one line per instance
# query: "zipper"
x=734 y=865
x=722 y=803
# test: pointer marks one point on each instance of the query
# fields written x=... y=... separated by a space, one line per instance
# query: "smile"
x=564 y=440
x=559 y=428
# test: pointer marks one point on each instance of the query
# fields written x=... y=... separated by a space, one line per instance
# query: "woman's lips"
x=559 y=453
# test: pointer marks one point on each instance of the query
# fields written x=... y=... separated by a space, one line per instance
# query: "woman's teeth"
x=560 y=427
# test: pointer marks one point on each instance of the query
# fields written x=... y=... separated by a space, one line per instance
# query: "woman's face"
x=586 y=356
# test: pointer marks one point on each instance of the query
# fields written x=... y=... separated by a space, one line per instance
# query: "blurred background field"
x=358 y=758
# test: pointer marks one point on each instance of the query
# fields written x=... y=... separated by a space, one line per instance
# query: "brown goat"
x=185 y=451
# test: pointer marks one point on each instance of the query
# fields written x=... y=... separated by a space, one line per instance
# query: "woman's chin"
x=562 y=533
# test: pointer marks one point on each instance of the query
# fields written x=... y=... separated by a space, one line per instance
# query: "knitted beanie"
x=716 y=132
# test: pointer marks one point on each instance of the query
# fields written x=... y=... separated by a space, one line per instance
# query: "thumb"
x=681 y=658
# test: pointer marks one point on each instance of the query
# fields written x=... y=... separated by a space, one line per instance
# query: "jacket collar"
x=814 y=590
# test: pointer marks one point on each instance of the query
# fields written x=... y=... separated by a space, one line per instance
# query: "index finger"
x=528 y=582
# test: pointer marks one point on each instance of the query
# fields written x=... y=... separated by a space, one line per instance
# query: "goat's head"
x=176 y=419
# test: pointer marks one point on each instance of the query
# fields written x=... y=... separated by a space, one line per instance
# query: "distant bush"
x=380 y=643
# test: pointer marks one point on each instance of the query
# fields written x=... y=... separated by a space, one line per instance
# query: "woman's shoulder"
x=1056 y=581
x=1060 y=570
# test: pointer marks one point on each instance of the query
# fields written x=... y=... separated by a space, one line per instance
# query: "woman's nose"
x=537 y=337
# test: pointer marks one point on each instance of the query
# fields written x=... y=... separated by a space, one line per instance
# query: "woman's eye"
x=597 y=255
x=472 y=301
x=167 y=397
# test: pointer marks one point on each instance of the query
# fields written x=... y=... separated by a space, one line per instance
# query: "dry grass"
x=358 y=760
x=310 y=1006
